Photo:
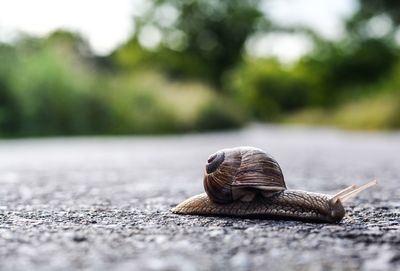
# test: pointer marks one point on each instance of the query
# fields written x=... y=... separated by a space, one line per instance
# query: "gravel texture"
x=102 y=203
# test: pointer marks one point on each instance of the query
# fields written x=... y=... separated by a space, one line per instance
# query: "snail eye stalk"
x=352 y=191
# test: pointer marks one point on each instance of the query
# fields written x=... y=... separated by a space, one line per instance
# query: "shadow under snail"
x=247 y=182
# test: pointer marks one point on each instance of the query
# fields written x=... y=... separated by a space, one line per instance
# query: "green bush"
x=220 y=114
x=9 y=113
x=268 y=90
x=51 y=93
x=52 y=90
x=136 y=109
x=149 y=103
x=345 y=70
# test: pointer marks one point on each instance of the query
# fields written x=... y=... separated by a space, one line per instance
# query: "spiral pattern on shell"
x=241 y=173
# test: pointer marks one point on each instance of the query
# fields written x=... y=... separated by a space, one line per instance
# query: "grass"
x=378 y=112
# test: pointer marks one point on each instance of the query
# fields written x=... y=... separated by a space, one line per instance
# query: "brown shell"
x=241 y=173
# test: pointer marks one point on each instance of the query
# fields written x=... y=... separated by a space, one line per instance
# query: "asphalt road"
x=103 y=203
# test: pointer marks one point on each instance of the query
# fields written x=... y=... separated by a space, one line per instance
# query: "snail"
x=247 y=182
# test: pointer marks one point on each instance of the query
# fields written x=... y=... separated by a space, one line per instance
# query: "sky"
x=107 y=23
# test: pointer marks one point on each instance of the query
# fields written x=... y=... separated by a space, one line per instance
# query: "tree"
x=204 y=39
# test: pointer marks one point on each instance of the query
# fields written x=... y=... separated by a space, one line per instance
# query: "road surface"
x=103 y=203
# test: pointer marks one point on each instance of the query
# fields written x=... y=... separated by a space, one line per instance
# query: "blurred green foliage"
x=205 y=40
x=198 y=77
x=267 y=89
x=53 y=87
x=9 y=114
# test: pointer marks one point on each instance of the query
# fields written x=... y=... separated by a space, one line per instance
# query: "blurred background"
x=173 y=66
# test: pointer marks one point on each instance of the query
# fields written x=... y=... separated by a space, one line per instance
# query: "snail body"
x=247 y=182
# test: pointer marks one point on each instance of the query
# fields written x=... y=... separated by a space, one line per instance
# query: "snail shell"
x=242 y=173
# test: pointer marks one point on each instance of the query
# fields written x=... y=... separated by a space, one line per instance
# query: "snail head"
x=337 y=211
